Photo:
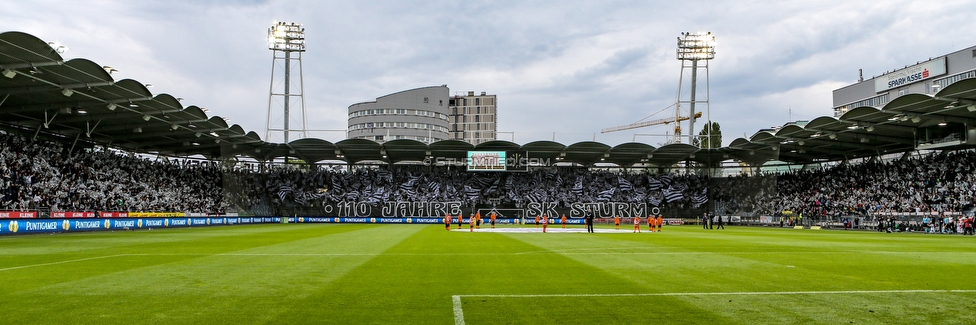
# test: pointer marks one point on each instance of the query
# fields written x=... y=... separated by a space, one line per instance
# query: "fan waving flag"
x=700 y=198
x=624 y=184
x=671 y=194
x=653 y=184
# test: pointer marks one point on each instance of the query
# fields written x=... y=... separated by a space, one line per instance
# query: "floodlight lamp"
x=146 y=118
x=9 y=73
x=833 y=136
x=111 y=106
x=943 y=123
x=696 y=46
x=67 y=92
x=81 y=111
x=174 y=127
x=287 y=37
x=198 y=134
x=916 y=119
x=971 y=108
x=870 y=128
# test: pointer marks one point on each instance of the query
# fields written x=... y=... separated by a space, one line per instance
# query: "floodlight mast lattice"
x=693 y=47
x=286 y=38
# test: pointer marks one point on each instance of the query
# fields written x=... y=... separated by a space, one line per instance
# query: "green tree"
x=705 y=141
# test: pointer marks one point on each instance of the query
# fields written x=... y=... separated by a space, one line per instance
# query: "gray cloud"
x=562 y=67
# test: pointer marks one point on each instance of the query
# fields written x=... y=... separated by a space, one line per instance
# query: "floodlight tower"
x=286 y=38
x=693 y=47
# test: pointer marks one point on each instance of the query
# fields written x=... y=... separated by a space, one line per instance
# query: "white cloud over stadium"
x=563 y=68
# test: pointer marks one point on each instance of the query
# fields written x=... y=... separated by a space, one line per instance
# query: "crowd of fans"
x=43 y=175
x=935 y=183
x=562 y=186
x=40 y=175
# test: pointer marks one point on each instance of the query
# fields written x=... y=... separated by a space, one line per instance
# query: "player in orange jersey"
x=478 y=221
x=650 y=223
x=460 y=220
x=562 y=220
x=545 y=223
x=447 y=222
x=637 y=224
x=537 y=221
x=492 y=217
x=616 y=222
x=660 y=222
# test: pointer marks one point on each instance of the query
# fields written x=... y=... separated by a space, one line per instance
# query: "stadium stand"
x=934 y=191
x=75 y=139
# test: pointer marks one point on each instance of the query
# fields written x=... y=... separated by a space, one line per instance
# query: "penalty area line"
x=61 y=262
x=741 y=293
x=458 y=310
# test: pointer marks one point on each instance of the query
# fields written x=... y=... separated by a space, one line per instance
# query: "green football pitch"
x=422 y=274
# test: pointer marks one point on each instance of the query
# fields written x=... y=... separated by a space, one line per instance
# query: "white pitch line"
x=740 y=293
x=61 y=262
x=458 y=311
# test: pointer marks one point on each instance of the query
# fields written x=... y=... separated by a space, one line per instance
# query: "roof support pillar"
x=73 y=144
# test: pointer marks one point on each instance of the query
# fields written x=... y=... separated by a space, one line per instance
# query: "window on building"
x=477 y=101
x=378 y=138
x=477 y=118
x=426 y=100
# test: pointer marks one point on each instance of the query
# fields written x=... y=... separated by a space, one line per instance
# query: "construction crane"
x=668 y=120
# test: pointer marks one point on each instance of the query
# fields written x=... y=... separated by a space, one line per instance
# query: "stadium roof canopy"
x=78 y=102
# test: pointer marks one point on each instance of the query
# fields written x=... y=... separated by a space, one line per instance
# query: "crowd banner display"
x=432 y=209
x=18 y=214
x=106 y=214
x=391 y=220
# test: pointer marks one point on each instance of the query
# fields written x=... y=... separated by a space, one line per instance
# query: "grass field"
x=416 y=274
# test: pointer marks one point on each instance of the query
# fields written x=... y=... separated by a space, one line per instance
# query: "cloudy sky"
x=561 y=69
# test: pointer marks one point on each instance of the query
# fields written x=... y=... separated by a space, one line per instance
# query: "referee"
x=589 y=220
